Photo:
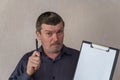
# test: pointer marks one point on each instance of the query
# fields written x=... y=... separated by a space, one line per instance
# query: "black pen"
x=36 y=44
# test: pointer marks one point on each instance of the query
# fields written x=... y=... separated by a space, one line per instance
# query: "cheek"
x=46 y=41
x=61 y=37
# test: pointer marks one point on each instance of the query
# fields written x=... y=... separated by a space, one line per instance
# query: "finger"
x=35 y=62
x=37 y=59
x=35 y=66
x=32 y=63
x=36 y=53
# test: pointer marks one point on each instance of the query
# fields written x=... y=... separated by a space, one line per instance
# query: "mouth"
x=56 y=45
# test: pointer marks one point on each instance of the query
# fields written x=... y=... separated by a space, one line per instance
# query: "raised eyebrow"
x=61 y=30
x=48 y=31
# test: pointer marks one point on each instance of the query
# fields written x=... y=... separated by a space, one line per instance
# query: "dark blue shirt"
x=62 y=68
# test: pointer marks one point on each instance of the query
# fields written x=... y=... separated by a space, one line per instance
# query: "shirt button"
x=53 y=77
x=54 y=61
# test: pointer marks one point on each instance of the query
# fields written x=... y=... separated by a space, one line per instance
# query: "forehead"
x=57 y=27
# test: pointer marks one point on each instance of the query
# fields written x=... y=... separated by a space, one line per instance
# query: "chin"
x=55 y=50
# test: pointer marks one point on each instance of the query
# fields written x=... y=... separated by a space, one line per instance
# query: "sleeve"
x=20 y=71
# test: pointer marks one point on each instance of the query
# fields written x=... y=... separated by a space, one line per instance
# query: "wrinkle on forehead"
x=57 y=27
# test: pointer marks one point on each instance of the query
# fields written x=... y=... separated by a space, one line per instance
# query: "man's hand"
x=33 y=63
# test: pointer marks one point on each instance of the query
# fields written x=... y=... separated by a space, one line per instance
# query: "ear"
x=38 y=35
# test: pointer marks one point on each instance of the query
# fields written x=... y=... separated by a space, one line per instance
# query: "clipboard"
x=96 y=62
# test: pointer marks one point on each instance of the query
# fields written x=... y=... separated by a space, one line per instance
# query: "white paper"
x=94 y=64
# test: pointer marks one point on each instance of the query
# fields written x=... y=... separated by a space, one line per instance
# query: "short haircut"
x=49 y=18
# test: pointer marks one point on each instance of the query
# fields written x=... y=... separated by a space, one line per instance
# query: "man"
x=53 y=60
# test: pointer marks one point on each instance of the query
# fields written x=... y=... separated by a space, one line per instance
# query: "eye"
x=60 y=31
x=49 y=33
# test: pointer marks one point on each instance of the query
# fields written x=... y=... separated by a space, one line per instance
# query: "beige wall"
x=93 y=20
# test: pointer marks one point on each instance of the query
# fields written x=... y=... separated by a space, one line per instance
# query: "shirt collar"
x=64 y=51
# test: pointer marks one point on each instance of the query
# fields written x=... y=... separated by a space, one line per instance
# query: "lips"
x=56 y=43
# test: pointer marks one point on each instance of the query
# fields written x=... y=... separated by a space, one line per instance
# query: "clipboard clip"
x=100 y=47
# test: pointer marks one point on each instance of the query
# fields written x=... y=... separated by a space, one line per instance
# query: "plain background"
x=92 y=20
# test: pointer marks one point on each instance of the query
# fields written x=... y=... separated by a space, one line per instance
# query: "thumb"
x=36 y=53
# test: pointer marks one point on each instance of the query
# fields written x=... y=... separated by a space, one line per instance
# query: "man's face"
x=51 y=37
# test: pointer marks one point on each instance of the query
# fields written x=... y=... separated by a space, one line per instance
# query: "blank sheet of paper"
x=95 y=62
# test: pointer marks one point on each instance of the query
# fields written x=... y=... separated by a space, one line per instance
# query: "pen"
x=36 y=44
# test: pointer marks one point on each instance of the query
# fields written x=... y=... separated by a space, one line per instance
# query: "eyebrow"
x=47 y=30
x=52 y=31
x=58 y=30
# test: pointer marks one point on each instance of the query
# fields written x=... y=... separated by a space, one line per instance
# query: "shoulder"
x=71 y=51
x=21 y=65
x=27 y=55
x=74 y=54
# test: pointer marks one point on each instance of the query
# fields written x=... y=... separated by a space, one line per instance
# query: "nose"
x=55 y=37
